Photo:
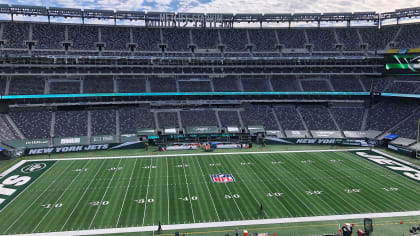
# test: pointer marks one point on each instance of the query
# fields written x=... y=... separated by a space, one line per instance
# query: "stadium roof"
x=210 y=17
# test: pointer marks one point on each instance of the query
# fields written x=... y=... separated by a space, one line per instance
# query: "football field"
x=98 y=193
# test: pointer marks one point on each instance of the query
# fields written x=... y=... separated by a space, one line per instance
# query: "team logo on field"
x=33 y=167
x=222 y=178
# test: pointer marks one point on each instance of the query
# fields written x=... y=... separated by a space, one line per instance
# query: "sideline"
x=199 y=154
x=230 y=223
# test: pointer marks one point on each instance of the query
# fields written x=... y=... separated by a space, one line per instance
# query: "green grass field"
x=109 y=193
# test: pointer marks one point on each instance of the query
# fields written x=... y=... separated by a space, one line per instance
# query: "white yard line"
x=80 y=199
x=246 y=223
x=200 y=154
x=103 y=197
x=230 y=193
x=167 y=185
x=126 y=191
x=208 y=189
x=147 y=191
x=61 y=195
x=188 y=188
x=397 y=159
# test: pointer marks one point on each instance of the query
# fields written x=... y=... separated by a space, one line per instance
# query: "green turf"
x=142 y=191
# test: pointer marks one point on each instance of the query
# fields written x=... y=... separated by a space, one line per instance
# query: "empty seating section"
x=83 y=37
x=317 y=118
x=3 y=85
x=349 y=38
x=255 y=84
x=162 y=85
x=71 y=123
x=176 y=39
x=15 y=35
x=168 y=119
x=315 y=85
x=264 y=40
x=7 y=132
x=229 y=118
x=103 y=122
x=409 y=36
x=293 y=38
x=281 y=84
x=33 y=123
x=205 y=39
x=115 y=38
x=259 y=115
x=128 y=123
x=98 y=85
x=378 y=38
x=48 y=36
x=194 y=86
x=234 y=40
x=226 y=84
x=348 y=118
x=322 y=39
x=144 y=118
x=346 y=84
x=146 y=39
x=64 y=87
x=131 y=85
x=289 y=118
x=408 y=128
x=24 y=85
x=383 y=116
x=375 y=84
x=198 y=118
x=404 y=87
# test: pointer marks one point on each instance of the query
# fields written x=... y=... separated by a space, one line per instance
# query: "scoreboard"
x=403 y=62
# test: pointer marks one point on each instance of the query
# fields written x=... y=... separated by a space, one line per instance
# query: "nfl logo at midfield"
x=222 y=178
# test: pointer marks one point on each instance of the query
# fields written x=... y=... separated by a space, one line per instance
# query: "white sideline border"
x=230 y=223
x=198 y=154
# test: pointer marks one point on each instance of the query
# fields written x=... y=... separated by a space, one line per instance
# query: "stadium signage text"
x=394 y=165
x=315 y=140
x=17 y=180
x=79 y=148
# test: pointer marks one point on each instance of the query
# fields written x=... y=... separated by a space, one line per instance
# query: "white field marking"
x=39 y=196
x=188 y=188
x=147 y=192
x=255 y=173
x=246 y=223
x=14 y=167
x=80 y=199
x=201 y=154
x=230 y=193
x=397 y=159
x=208 y=189
x=167 y=185
x=103 y=197
x=59 y=198
x=126 y=191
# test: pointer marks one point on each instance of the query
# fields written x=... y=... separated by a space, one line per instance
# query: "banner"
x=328 y=141
x=81 y=148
